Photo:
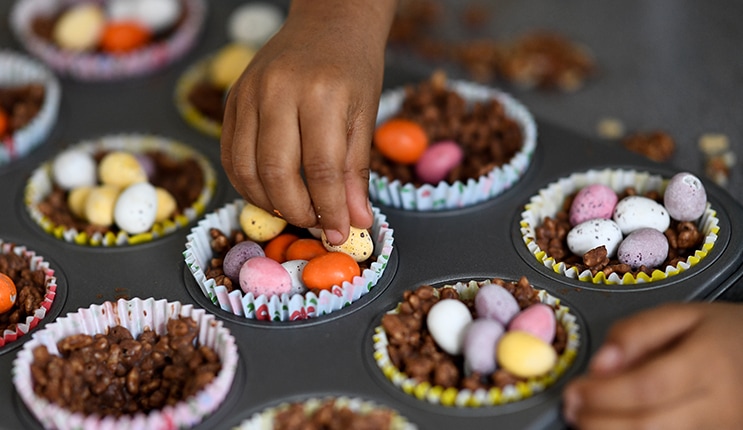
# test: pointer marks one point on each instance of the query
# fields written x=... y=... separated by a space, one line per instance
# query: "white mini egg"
x=121 y=10
x=73 y=169
x=295 y=268
x=136 y=208
x=359 y=244
x=254 y=23
x=447 y=322
x=636 y=212
x=158 y=15
x=594 y=233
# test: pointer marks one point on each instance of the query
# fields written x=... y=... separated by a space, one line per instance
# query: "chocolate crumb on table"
x=657 y=145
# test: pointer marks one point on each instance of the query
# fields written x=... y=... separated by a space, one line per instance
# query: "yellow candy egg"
x=80 y=27
x=525 y=355
x=229 y=63
x=99 y=206
x=359 y=244
x=76 y=200
x=166 y=204
x=121 y=169
x=7 y=293
x=260 y=225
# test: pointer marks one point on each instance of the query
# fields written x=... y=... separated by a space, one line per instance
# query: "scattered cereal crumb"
x=610 y=128
x=719 y=159
x=655 y=145
x=714 y=143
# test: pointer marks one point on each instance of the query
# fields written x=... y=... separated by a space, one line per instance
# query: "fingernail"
x=571 y=404
x=608 y=359
x=334 y=237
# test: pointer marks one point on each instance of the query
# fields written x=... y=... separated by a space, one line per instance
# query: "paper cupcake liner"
x=136 y=315
x=16 y=70
x=465 y=398
x=285 y=307
x=35 y=262
x=550 y=199
x=444 y=196
x=265 y=420
x=193 y=75
x=40 y=184
x=100 y=66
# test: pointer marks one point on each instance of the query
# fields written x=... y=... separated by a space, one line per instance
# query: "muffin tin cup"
x=40 y=184
x=550 y=199
x=35 y=262
x=136 y=315
x=465 y=398
x=193 y=75
x=95 y=66
x=285 y=307
x=443 y=195
x=15 y=70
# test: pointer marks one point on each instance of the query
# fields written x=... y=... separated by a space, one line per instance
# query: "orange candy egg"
x=305 y=249
x=276 y=248
x=330 y=269
x=124 y=36
x=7 y=293
x=401 y=140
x=3 y=122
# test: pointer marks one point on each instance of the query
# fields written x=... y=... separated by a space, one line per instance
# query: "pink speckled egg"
x=262 y=275
x=437 y=161
x=685 y=198
x=538 y=319
x=644 y=247
x=595 y=201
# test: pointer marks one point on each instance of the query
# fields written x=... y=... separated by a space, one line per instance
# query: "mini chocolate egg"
x=8 y=293
x=537 y=319
x=74 y=168
x=79 y=28
x=401 y=140
x=496 y=303
x=685 y=198
x=254 y=23
x=327 y=270
x=237 y=256
x=480 y=341
x=228 y=64
x=120 y=169
x=166 y=204
x=99 y=206
x=148 y=165
x=525 y=355
x=158 y=15
x=437 y=161
x=295 y=269
x=264 y=276
x=76 y=199
x=315 y=232
x=591 y=234
x=136 y=208
x=359 y=244
x=260 y=225
x=447 y=321
x=592 y=202
x=121 y=10
x=644 y=247
x=636 y=212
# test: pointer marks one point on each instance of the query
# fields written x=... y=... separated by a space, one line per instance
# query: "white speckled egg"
x=158 y=15
x=644 y=247
x=636 y=212
x=447 y=322
x=594 y=233
x=359 y=244
x=99 y=206
x=260 y=225
x=685 y=198
x=254 y=23
x=73 y=168
x=136 y=208
x=295 y=268
x=315 y=232
x=121 y=169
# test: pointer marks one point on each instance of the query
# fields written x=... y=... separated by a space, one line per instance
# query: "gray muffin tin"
x=332 y=355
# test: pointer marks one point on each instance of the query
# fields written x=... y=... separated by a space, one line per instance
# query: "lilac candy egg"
x=644 y=247
x=237 y=256
x=262 y=275
x=480 y=341
x=636 y=212
x=437 y=161
x=538 y=319
x=685 y=197
x=592 y=202
x=148 y=165
x=496 y=303
x=592 y=234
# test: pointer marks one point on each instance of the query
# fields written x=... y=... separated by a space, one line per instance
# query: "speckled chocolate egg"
x=159 y=15
x=359 y=244
x=237 y=256
x=437 y=161
x=480 y=341
x=79 y=27
x=121 y=169
x=76 y=199
x=262 y=275
x=594 y=233
x=496 y=303
x=636 y=212
x=136 y=208
x=166 y=204
x=99 y=206
x=74 y=168
x=644 y=247
x=447 y=321
x=8 y=293
x=685 y=197
x=295 y=269
x=537 y=319
x=525 y=355
x=592 y=202
x=254 y=23
x=260 y=225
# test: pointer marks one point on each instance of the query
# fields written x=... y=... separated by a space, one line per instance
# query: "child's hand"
x=308 y=102
x=675 y=367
